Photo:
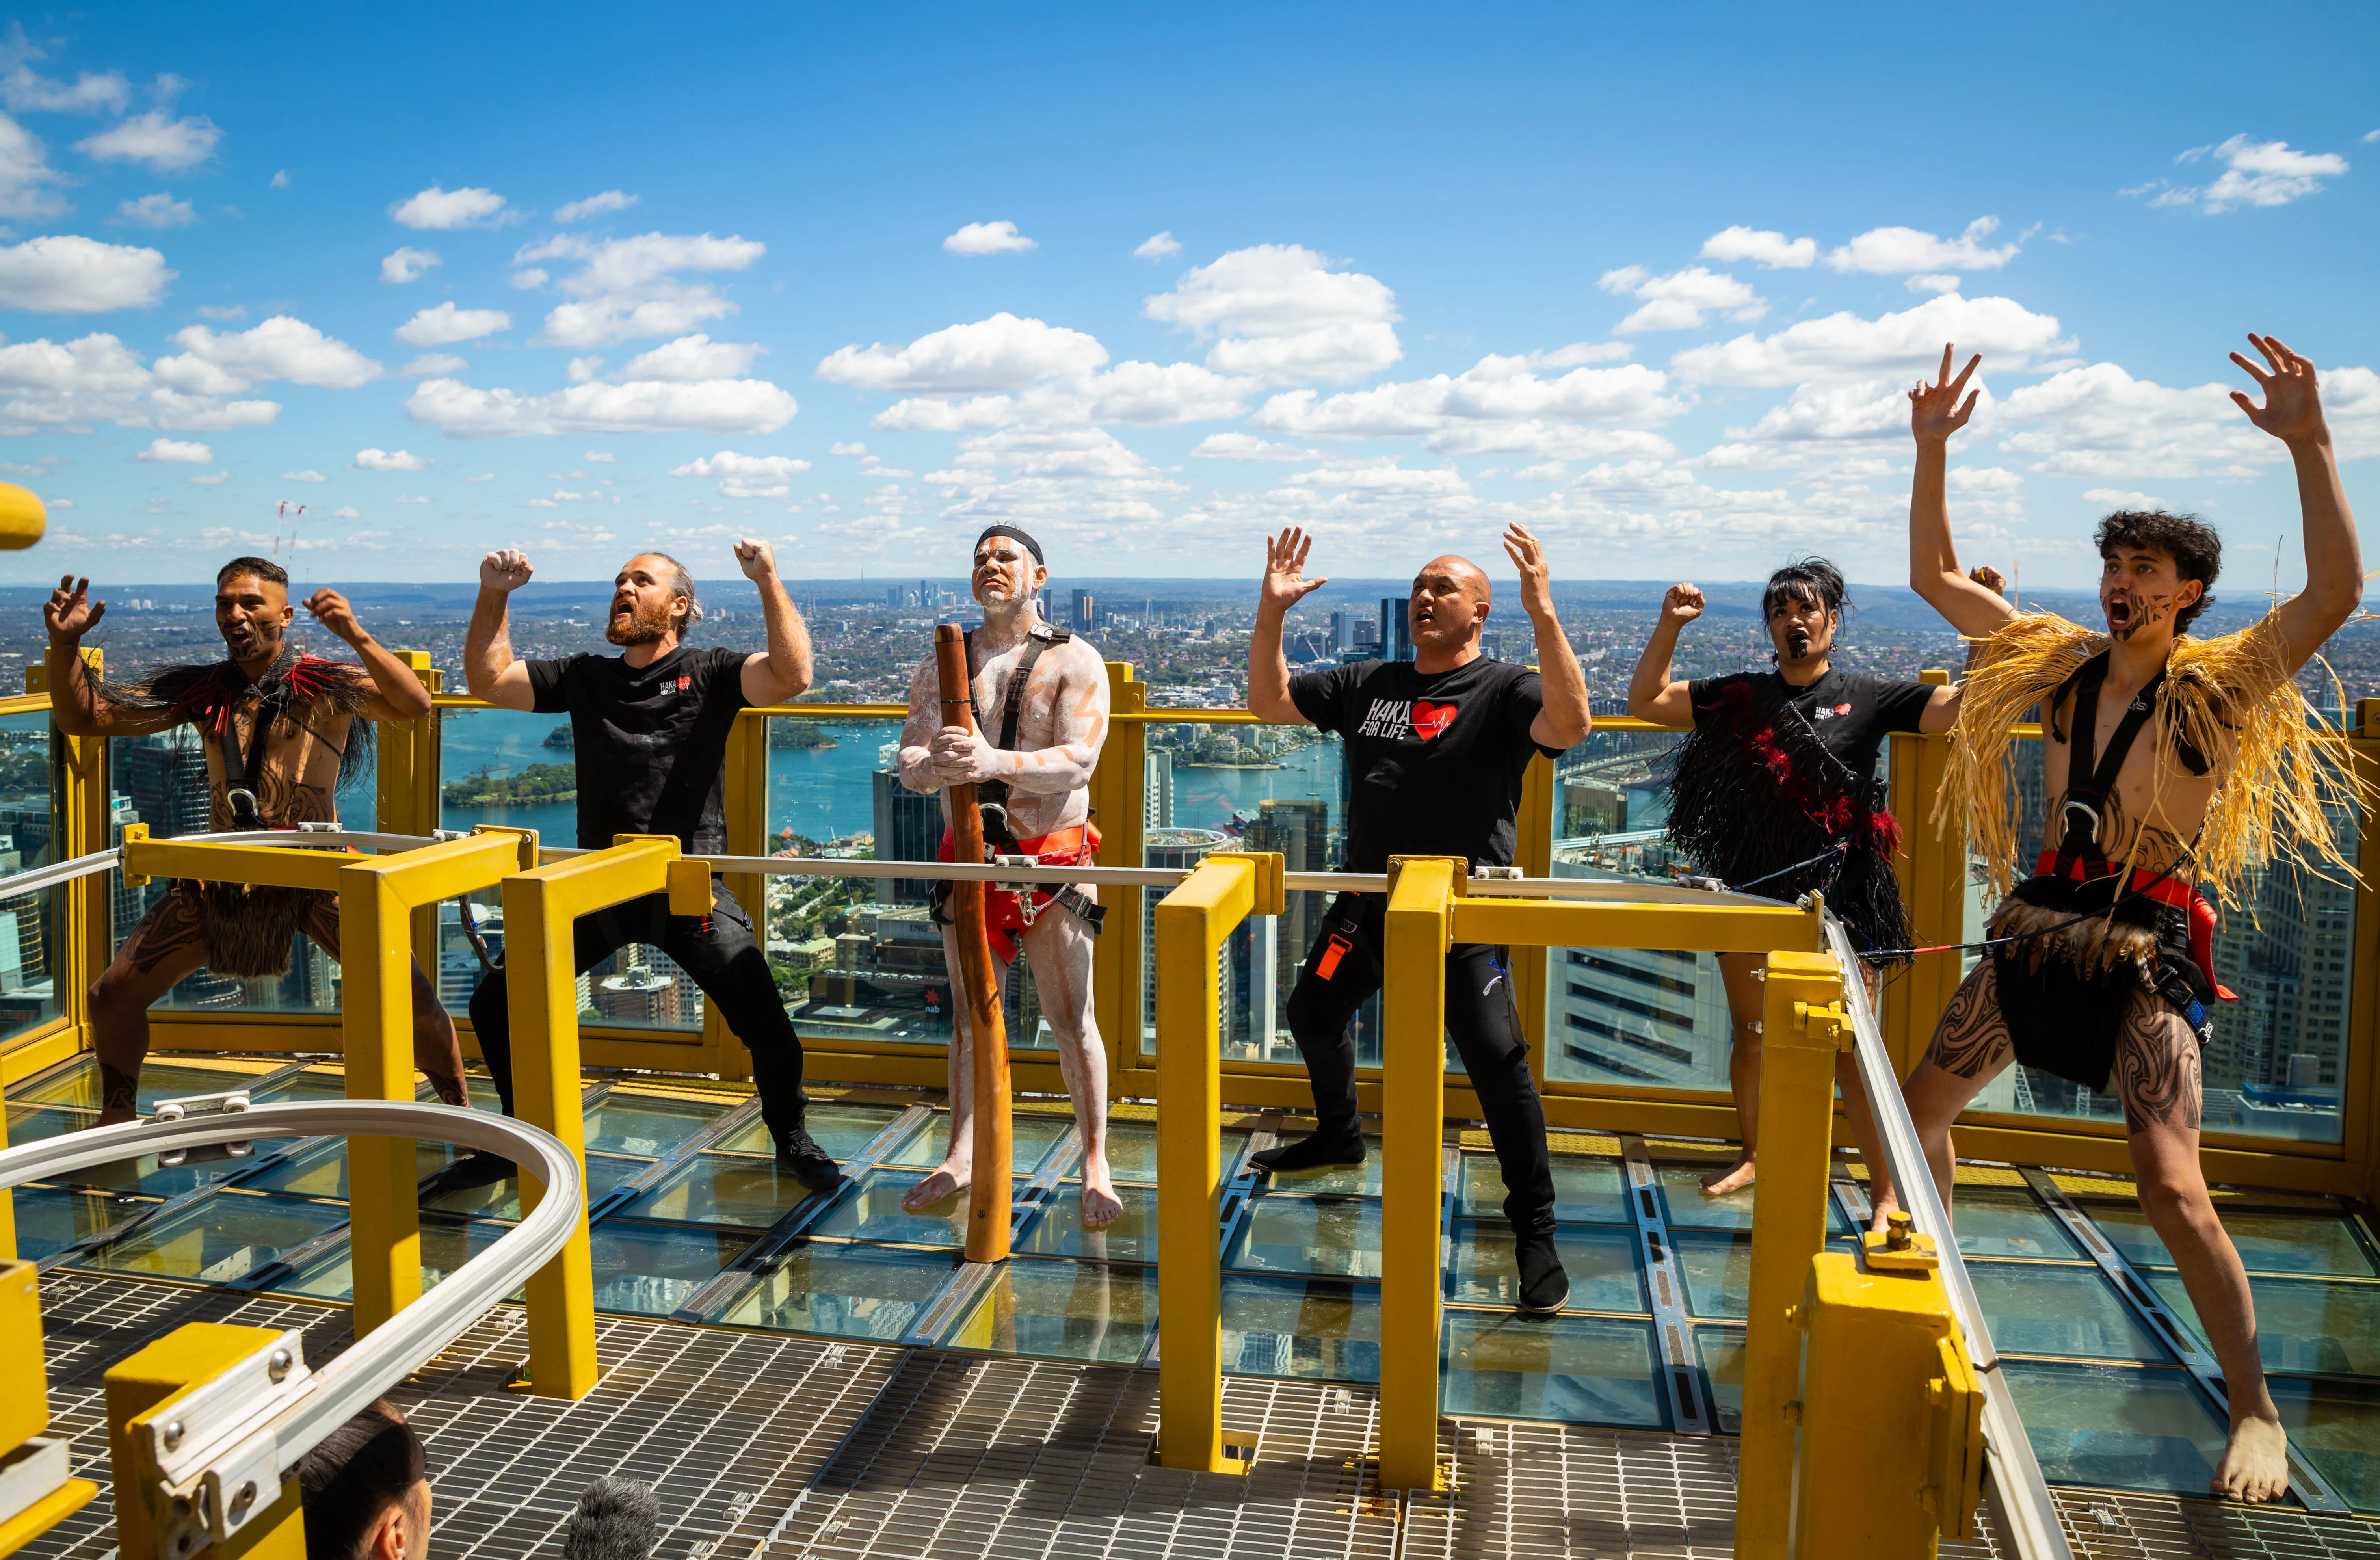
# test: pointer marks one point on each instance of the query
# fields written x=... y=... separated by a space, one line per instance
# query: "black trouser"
x=1480 y=1015
x=718 y=951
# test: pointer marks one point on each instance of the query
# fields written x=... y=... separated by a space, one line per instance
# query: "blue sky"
x=1150 y=284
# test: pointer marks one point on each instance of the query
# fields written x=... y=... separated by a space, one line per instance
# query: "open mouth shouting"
x=2123 y=615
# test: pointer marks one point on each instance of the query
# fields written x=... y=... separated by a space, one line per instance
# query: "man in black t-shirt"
x=651 y=727
x=1436 y=749
x=1776 y=793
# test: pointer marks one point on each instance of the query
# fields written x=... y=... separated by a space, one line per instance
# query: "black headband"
x=1030 y=545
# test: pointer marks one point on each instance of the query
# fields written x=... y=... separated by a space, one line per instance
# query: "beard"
x=643 y=625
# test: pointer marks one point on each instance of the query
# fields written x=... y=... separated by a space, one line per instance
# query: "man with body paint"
x=1437 y=748
x=2168 y=760
x=1040 y=700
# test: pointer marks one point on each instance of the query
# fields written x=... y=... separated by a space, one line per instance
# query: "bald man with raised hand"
x=1436 y=750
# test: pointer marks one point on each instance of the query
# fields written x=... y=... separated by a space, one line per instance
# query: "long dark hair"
x=1807 y=581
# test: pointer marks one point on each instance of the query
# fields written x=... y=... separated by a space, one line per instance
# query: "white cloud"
x=406 y=264
x=988 y=237
x=28 y=183
x=2098 y=421
x=1064 y=482
x=1761 y=247
x=1279 y=313
x=718 y=406
x=1247 y=446
x=841 y=447
x=1864 y=408
x=64 y=274
x=386 y=460
x=532 y=279
x=1932 y=281
x=440 y=208
x=594 y=205
x=209 y=479
x=155 y=142
x=2120 y=498
x=1890 y=251
x=159 y=210
x=482 y=477
x=747 y=476
x=1497 y=404
x=446 y=324
x=223 y=311
x=1161 y=246
x=303 y=476
x=177 y=452
x=47 y=386
x=434 y=364
x=601 y=456
x=1844 y=346
x=2256 y=173
x=281 y=347
x=1680 y=299
x=1001 y=353
x=410 y=498
x=691 y=359
x=279 y=180
x=28 y=92
x=346 y=512
x=579 y=371
x=626 y=287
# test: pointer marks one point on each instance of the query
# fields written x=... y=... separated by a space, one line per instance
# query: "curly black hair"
x=1809 y=580
x=2191 y=543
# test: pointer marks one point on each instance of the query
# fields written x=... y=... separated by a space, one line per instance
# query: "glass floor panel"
x=1057 y=1230
x=49 y=1219
x=2301 y=1323
x=1601 y=1262
x=221 y=1239
x=1343 y=1180
x=648 y=1126
x=2309 y=1243
x=842 y=1291
x=1683 y=1199
x=1718 y=1273
x=841 y=1130
x=1089 y=1311
x=714 y=1188
x=1722 y=1355
x=1586 y=1190
x=1132 y=1150
x=2039 y=1308
x=124 y=1177
x=873 y=1212
x=322 y=1172
x=1586 y=1370
x=1029 y=1142
x=501 y=1199
x=2118 y=1427
x=2010 y=1222
x=2336 y=1426
x=1325 y=1237
x=652 y=1270
x=311 y=1084
x=1314 y=1329
x=79 y=1085
x=446 y=1244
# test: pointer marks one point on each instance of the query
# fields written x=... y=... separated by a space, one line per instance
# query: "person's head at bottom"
x=366 y=1490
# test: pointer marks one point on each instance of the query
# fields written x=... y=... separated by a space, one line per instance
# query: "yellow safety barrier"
x=141 y=1393
x=25 y=1414
x=542 y=909
x=1191 y=923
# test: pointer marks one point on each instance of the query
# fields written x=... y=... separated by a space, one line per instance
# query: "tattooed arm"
x=75 y=704
x=398 y=693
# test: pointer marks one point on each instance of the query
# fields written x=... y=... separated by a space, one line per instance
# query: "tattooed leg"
x=437 y=1049
x=167 y=945
x=2157 y=1077
x=1970 y=1048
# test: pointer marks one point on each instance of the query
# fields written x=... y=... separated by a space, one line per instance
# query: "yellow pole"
x=143 y=1387
x=1413 y=1163
x=1802 y=1030
x=1119 y=801
x=1191 y=924
x=1932 y=871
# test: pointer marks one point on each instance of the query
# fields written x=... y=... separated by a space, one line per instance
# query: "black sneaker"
x=798 y=1154
x=1316 y=1151
x=1545 y=1287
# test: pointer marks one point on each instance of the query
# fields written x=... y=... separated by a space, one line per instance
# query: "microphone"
x=616 y=1520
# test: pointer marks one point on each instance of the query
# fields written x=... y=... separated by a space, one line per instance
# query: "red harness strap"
x=2165 y=890
x=1004 y=913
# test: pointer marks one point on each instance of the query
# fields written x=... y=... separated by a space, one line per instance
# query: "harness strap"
x=991 y=796
x=240 y=768
x=2086 y=797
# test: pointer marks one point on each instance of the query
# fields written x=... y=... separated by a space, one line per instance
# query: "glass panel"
x=1030 y=1140
x=2118 y=1427
x=322 y=1172
x=1577 y=1370
x=28 y=995
x=501 y=1199
x=314 y=1083
x=717 y=1190
x=1601 y=1264
x=1065 y=1311
x=1057 y=1230
x=2302 y=1324
x=49 y=1219
x=29 y=1124
x=1132 y=1150
x=2040 y=1309
x=79 y=1085
x=1589 y=1190
x=649 y=1270
x=1341 y=1180
x=2308 y=1242
x=648 y=1124
x=2335 y=1426
x=1309 y=1235
x=221 y=1239
x=2010 y=1222
x=842 y=1291
x=874 y=1213
x=1688 y=1208
x=1722 y=1351
x=841 y=1130
x=1717 y=1271
x=446 y=1244
x=1318 y=1329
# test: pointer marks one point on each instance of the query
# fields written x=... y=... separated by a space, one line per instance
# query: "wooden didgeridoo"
x=989 y=1213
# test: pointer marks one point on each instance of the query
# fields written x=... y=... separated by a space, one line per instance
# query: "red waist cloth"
x=1004 y=911
x=2166 y=891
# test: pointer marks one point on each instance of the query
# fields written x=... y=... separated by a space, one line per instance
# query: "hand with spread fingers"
x=2293 y=409
x=69 y=613
x=1935 y=410
x=1528 y=556
x=1285 y=584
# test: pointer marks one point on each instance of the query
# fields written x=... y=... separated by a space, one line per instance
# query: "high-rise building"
x=908 y=828
x=895 y=596
x=1342 y=632
x=926 y=594
x=1300 y=830
x=1156 y=793
x=1367 y=636
x=1172 y=851
x=1396 y=629
x=1084 y=618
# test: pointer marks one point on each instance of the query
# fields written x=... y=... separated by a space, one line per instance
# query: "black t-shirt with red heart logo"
x=1433 y=760
x=651 y=741
x=1852 y=711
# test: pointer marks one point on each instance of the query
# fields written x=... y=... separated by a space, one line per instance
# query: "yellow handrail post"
x=1191 y=924
x=1413 y=1163
x=25 y=1415
x=1802 y=1028
x=1120 y=804
x=142 y=1388
x=542 y=909
x=1932 y=871
x=378 y=897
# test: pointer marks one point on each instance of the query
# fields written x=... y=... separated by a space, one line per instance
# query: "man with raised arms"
x=283 y=732
x=1042 y=715
x=649 y=728
x=2168 y=760
x=1437 y=748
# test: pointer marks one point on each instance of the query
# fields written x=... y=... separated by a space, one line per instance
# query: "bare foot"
x=1100 y=1206
x=2255 y=1466
x=949 y=1178
x=1735 y=1177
